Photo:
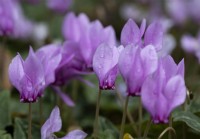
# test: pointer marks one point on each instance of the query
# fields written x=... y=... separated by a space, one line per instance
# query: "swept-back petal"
x=16 y=71
x=149 y=59
x=50 y=57
x=181 y=68
x=33 y=68
x=149 y=95
x=109 y=36
x=75 y=134
x=175 y=92
x=53 y=124
x=70 y=29
x=130 y=34
x=154 y=35
x=169 y=66
x=126 y=59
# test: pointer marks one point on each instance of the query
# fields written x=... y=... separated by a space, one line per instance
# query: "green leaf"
x=19 y=132
x=106 y=129
x=21 y=128
x=107 y=134
x=5 y=109
x=6 y=136
x=189 y=118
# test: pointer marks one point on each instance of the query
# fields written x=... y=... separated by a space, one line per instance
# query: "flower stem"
x=41 y=112
x=30 y=120
x=167 y=129
x=170 y=125
x=97 y=115
x=140 y=117
x=128 y=114
x=147 y=128
x=124 y=118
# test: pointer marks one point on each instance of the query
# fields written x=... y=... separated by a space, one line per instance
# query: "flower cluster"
x=90 y=47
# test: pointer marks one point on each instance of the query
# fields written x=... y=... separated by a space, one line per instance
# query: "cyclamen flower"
x=54 y=124
x=59 y=5
x=135 y=64
x=164 y=90
x=27 y=76
x=132 y=35
x=105 y=65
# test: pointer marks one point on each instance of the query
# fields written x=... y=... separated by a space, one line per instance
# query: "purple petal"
x=51 y=57
x=90 y=41
x=105 y=58
x=64 y=96
x=181 y=68
x=150 y=59
x=75 y=134
x=175 y=92
x=142 y=27
x=71 y=27
x=154 y=35
x=130 y=66
x=16 y=71
x=130 y=33
x=154 y=101
x=169 y=66
x=33 y=68
x=52 y=124
x=109 y=36
x=124 y=63
x=148 y=97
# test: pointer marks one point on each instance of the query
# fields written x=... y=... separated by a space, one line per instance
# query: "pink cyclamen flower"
x=164 y=90
x=105 y=65
x=132 y=35
x=54 y=124
x=27 y=76
x=135 y=65
x=59 y=5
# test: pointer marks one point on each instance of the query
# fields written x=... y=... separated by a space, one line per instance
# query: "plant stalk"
x=170 y=125
x=147 y=129
x=97 y=115
x=30 y=122
x=140 y=117
x=128 y=114
x=41 y=112
x=124 y=118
